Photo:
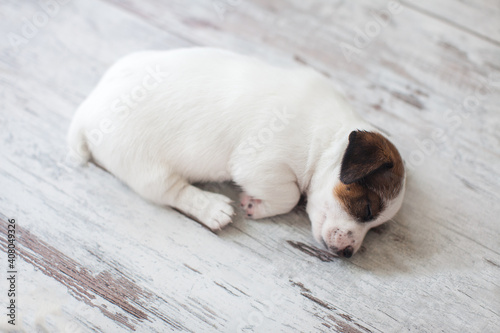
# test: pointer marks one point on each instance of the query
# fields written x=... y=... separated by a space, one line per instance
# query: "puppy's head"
x=367 y=191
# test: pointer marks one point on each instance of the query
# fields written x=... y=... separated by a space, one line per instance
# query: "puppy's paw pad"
x=250 y=205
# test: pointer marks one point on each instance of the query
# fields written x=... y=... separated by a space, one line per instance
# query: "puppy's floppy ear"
x=367 y=153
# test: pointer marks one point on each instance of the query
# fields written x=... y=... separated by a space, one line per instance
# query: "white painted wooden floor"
x=94 y=257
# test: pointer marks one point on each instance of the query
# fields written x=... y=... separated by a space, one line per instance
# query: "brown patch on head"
x=371 y=173
x=359 y=201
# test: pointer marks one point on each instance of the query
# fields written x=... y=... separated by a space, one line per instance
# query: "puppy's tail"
x=79 y=149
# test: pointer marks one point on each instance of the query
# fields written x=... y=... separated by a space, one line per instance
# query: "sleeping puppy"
x=162 y=120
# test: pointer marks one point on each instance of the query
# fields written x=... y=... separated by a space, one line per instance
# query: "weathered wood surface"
x=93 y=256
x=478 y=17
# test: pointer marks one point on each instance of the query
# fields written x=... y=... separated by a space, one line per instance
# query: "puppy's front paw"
x=250 y=205
x=219 y=212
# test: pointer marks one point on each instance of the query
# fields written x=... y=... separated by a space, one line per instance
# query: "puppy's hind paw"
x=250 y=205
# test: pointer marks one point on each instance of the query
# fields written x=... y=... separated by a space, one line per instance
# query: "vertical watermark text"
x=11 y=272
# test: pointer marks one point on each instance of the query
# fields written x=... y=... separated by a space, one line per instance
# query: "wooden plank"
x=118 y=262
x=479 y=18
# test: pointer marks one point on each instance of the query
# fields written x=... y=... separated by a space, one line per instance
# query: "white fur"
x=161 y=120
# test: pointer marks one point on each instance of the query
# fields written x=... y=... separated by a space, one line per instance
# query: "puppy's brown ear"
x=367 y=153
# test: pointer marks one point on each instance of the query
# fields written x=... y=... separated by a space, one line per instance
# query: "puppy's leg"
x=212 y=209
x=268 y=197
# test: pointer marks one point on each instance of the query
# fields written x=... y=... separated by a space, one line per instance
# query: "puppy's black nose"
x=348 y=251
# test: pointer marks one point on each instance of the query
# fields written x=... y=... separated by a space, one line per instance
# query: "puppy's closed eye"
x=369 y=215
x=361 y=202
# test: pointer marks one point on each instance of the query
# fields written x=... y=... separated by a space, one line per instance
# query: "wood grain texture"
x=479 y=18
x=94 y=257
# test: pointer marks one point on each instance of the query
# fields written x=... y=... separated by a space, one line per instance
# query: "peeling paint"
x=313 y=251
x=83 y=284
